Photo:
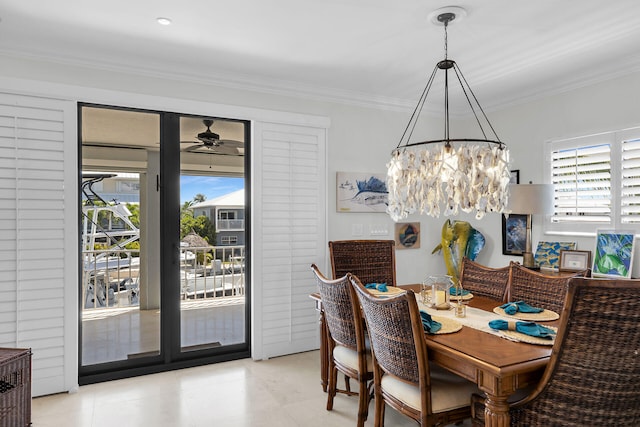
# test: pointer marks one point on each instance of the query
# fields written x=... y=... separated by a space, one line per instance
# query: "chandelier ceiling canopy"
x=468 y=174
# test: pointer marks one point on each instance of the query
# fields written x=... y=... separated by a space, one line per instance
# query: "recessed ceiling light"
x=164 y=21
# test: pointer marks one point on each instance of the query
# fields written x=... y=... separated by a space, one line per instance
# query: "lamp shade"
x=530 y=199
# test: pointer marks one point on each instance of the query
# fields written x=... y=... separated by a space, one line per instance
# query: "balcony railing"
x=111 y=277
x=230 y=224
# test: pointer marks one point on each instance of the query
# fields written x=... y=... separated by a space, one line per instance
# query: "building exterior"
x=227 y=214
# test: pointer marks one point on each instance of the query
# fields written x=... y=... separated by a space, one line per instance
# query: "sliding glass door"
x=212 y=233
x=163 y=241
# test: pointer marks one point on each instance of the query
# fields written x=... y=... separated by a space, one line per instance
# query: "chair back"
x=345 y=328
x=396 y=334
x=484 y=281
x=593 y=377
x=538 y=289
x=373 y=261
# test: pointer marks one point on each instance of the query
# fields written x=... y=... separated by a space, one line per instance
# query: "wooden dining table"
x=498 y=366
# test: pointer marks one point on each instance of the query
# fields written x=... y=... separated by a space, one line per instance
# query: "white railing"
x=212 y=272
x=230 y=224
x=111 y=277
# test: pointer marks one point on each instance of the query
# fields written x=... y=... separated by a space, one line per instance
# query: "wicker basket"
x=15 y=387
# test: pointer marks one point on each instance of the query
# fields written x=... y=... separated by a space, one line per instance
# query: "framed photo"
x=573 y=260
x=548 y=253
x=613 y=256
x=515 y=177
x=407 y=235
x=514 y=234
x=361 y=192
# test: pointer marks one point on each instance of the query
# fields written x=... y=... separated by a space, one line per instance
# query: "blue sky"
x=211 y=186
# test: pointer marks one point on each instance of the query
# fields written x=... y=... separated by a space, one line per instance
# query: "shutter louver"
x=36 y=201
x=582 y=184
x=291 y=235
x=630 y=198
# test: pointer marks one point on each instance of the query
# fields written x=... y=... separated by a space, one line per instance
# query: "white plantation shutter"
x=289 y=235
x=37 y=224
x=630 y=201
x=596 y=182
x=582 y=184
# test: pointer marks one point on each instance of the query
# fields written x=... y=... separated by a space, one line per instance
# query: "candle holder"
x=461 y=308
x=440 y=291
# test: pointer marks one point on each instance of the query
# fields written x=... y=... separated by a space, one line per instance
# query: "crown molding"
x=234 y=81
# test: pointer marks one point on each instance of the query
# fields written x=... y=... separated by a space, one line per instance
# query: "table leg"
x=324 y=353
x=496 y=411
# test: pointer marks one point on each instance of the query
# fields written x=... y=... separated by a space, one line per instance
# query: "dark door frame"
x=171 y=357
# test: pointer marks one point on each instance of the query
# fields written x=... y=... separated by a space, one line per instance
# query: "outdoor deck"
x=121 y=333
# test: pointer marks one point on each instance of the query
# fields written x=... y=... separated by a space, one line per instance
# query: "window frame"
x=224 y=242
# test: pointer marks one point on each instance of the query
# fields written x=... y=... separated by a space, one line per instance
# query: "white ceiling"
x=360 y=51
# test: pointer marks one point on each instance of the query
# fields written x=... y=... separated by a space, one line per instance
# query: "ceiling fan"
x=210 y=141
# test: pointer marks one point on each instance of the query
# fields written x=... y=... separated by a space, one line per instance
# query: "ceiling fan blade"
x=193 y=147
x=223 y=149
x=231 y=143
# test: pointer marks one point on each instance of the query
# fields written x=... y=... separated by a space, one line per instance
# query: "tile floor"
x=283 y=392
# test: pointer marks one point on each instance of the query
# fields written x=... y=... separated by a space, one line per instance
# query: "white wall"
x=361 y=139
x=606 y=106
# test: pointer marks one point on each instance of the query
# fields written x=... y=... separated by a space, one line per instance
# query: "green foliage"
x=201 y=224
x=133 y=245
x=134 y=208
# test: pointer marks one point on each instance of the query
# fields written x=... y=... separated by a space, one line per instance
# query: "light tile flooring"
x=283 y=391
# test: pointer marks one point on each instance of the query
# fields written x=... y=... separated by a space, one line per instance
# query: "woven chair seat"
x=448 y=391
x=403 y=378
x=484 y=281
x=538 y=289
x=346 y=337
x=349 y=358
x=593 y=376
x=373 y=261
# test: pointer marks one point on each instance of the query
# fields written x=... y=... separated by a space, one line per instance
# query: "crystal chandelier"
x=465 y=174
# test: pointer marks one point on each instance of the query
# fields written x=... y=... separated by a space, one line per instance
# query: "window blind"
x=582 y=184
x=630 y=197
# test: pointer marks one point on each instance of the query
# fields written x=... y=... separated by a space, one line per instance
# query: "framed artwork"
x=407 y=235
x=515 y=177
x=572 y=260
x=361 y=192
x=548 y=253
x=613 y=256
x=514 y=234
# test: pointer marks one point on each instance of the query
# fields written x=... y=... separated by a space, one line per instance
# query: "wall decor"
x=515 y=177
x=458 y=240
x=574 y=260
x=613 y=256
x=407 y=235
x=361 y=192
x=548 y=253
x=514 y=234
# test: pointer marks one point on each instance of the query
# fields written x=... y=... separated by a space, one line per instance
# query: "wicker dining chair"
x=484 y=281
x=539 y=289
x=593 y=376
x=373 y=261
x=348 y=352
x=403 y=377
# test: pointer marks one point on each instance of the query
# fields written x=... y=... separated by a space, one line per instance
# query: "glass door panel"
x=120 y=280
x=212 y=233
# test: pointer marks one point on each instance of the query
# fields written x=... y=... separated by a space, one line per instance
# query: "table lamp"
x=529 y=199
